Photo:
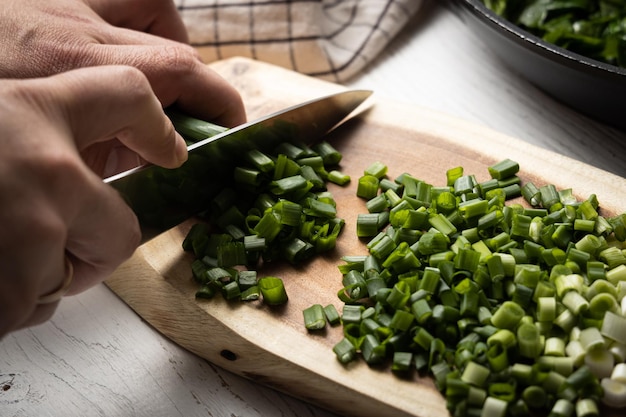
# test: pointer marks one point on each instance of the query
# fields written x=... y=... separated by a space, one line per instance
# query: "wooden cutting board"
x=272 y=346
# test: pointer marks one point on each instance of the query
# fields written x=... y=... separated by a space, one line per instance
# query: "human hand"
x=53 y=132
x=40 y=38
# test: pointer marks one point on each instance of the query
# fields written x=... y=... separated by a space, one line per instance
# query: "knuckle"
x=132 y=81
x=179 y=58
x=58 y=168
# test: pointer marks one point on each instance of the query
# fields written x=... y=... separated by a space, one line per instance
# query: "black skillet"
x=591 y=87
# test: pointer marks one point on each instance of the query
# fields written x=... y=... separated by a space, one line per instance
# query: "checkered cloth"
x=329 y=39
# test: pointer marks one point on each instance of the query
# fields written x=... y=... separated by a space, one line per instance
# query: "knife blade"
x=163 y=198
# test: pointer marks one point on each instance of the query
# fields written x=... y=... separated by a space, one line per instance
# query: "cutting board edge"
x=312 y=385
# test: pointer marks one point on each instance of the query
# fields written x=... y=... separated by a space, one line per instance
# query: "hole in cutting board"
x=228 y=355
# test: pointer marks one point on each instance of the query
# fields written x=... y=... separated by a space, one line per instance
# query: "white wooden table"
x=96 y=357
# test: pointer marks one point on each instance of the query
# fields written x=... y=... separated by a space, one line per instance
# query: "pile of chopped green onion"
x=279 y=208
x=513 y=308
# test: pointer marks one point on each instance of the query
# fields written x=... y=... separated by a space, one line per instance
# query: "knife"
x=163 y=198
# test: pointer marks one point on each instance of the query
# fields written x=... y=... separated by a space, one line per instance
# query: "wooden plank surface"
x=271 y=346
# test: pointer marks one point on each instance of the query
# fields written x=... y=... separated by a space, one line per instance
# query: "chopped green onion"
x=345 y=351
x=367 y=187
x=314 y=318
x=338 y=177
x=273 y=290
x=503 y=169
x=331 y=314
x=377 y=169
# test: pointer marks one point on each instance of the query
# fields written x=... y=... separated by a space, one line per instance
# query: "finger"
x=101 y=236
x=28 y=274
x=178 y=77
x=157 y=17
x=109 y=102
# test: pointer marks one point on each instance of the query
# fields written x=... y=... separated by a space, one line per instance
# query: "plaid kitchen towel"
x=329 y=39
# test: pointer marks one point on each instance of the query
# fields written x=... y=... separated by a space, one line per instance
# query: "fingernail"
x=181 y=149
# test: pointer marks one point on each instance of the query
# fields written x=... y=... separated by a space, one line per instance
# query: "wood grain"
x=271 y=346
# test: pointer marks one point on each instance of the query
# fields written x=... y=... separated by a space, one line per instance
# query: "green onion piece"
x=317 y=208
x=260 y=160
x=246 y=279
x=273 y=290
x=442 y=224
x=503 y=169
x=475 y=374
x=231 y=254
x=612 y=257
x=269 y=226
x=575 y=302
x=549 y=197
x=284 y=166
x=367 y=187
x=332 y=315
x=613 y=327
x=367 y=224
x=401 y=361
x=554 y=346
x=290 y=150
x=464 y=184
x=377 y=204
x=376 y=169
x=338 y=177
x=587 y=407
x=618 y=223
x=231 y=290
x=616 y=275
x=345 y=351
x=329 y=154
x=250 y=294
x=351 y=314
x=314 y=318
x=473 y=208
x=529 y=340
x=600 y=362
x=206 y=292
x=508 y=315
x=313 y=177
x=219 y=275
x=288 y=184
x=562 y=408
x=248 y=176
x=313 y=161
x=392 y=197
x=297 y=250
x=372 y=350
x=614 y=393
x=381 y=248
x=199 y=270
x=453 y=174
x=254 y=243
x=192 y=129
x=531 y=194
